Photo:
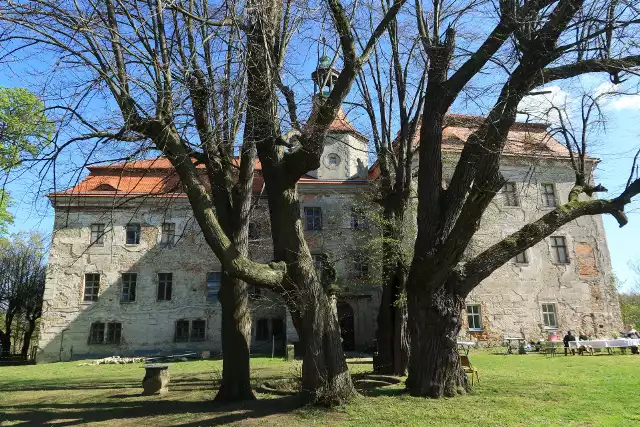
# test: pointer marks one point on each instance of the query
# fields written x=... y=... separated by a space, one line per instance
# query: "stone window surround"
x=553 y=248
x=188 y=333
x=514 y=202
x=315 y=212
x=167 y=279
x=134 y=228
x=132 y=279
x=95 y=287
x=524 y=258
x=477 y=314
x=97 y=231
x=544 y=194
x=554 y=312
x=105 y=333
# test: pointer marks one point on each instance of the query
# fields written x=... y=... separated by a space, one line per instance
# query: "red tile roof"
x=524 y=139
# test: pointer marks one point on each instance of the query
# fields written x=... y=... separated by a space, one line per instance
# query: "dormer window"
x=105 y=187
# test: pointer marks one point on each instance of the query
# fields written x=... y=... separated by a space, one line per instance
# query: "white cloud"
x=537 y=108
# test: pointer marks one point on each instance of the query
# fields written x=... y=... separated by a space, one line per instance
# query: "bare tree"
x=532 y=43
x=155 y=62
x=392 y=91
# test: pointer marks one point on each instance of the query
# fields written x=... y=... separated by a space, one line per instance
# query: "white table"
x=466 y=346
x=612 y=343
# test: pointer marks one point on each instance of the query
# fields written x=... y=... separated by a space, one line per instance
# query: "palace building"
x=129 y=272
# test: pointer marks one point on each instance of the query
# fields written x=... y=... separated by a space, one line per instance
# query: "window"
x=198 y=330
x=549 y=315
x=358 y=219
x=473 y=317
x=262 y=330
x=559 y=250
x=312 y=219
x=91 y=287
x=360 y=268
x=182 y=331
x=213 y=285
x=165 y=283
x=114 y=332
x=133 y=234
x=96 y=333
x=548 y=196
x=168 y=234
x=97 y=234
x=510 y=194
x=128 y=287
x=521 y=258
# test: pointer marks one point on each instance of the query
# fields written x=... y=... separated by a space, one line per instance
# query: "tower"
x=345 y=154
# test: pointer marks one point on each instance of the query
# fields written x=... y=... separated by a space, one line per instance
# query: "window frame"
x=168 y=279
x=213 y=297
x=545 y=315
x=126 y=282
x=360 y=267
x=180 y=338
x=101 y=327
x=192 y=328
x=136 y=230
x=97 y=229
x=113 y=333
x=168 y=234
x=315 y=213
x=473 y=315
x=547 y=201
x=510 y=198
x=95 y=287
x=524 y=256
x=554 y=248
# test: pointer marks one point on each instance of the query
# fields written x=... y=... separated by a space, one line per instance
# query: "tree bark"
x=325 y=376
x=392 y=335
x=434 y=323
x=236 y=340
x=26 y=343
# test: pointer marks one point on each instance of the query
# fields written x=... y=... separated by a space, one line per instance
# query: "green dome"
x=324 y=62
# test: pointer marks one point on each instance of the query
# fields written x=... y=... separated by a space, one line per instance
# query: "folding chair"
x=468 y=369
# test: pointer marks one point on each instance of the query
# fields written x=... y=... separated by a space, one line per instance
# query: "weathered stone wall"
x=512 y=297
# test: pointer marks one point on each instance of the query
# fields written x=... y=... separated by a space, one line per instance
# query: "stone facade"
x=531 y=297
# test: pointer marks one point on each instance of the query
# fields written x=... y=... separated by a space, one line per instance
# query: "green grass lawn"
x=513 y=390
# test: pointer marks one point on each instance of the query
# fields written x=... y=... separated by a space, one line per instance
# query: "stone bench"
x=156 y=379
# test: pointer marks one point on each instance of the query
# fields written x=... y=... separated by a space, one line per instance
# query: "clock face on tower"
x=332 y=161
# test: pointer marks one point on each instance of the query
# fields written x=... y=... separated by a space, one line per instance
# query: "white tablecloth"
x=620 y=342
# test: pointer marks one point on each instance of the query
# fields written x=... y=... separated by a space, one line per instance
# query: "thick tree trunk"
x=325 y=376
x=26 y=343
x=236 y=340
x=434 y=323
x=392 y=334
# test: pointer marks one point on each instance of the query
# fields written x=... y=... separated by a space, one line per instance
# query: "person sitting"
x=583 y=337
x=568 y=338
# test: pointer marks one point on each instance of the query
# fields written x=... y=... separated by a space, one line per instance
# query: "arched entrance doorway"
x=347 y=329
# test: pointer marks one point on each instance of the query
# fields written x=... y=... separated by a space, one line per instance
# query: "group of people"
x=630 y=332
